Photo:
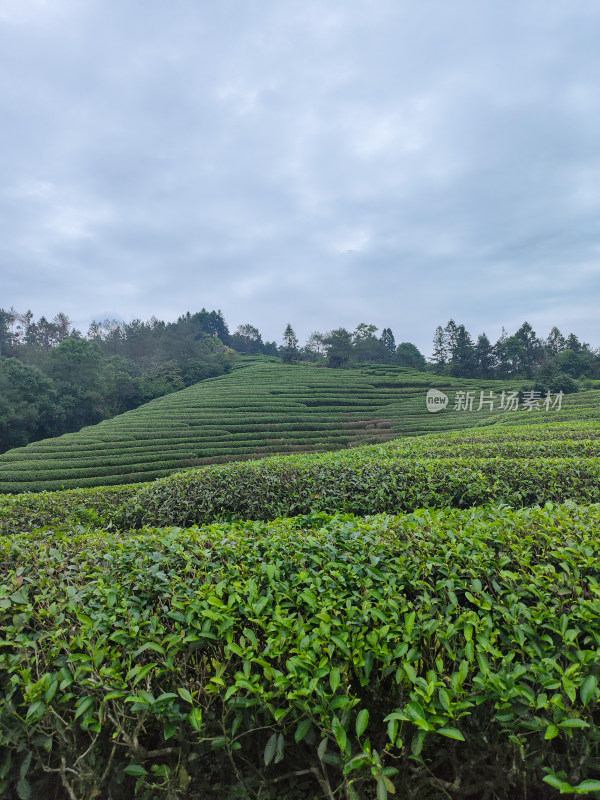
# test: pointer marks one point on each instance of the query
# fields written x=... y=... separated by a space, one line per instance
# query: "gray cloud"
x=319 y=163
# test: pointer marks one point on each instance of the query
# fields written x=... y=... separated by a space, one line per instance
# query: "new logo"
x=436 y=401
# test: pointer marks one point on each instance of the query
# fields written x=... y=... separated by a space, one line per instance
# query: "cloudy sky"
x=319 y=162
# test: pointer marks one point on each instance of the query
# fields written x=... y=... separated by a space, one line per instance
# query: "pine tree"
x=462 y=353
x=388 y=341
x=484 y=357
x=532 y=347
x=555 y=342
x=573 y=343
x=440 y=350
x=450 y=334
x=290 y=345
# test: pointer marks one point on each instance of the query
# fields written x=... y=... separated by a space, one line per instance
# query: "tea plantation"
x=259 y=410
x=418 y=618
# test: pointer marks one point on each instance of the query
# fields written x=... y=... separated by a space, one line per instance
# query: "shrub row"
x=329 y=408
x=363 y=481
x=26 y=512
x=82 y=483
x=393 y=476
x=523 y=448
x=441 y=654
x=166 y=457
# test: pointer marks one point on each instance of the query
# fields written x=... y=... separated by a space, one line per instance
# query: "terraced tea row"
x=259 y=410
x=517 y=464
x=433 y=471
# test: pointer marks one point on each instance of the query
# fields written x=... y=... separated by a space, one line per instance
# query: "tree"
x=510 y=356
x=315 y=348
x=367 y=347
x=440 y=350
x=203 y=323
x=75 y=367
x=62 y=326
x=388 y=343
x=484 y=357
x=95 y=331
x=573 y=343
x=270 y=349
x=21 y=325
x=290 y=346
x=572 y=363
x=532 y=348
x=29 y=405
x=409 y=355
x=450 y=336
x=122 y=379
x=247 y=340
x=555 y=342
x=363 y=331
x=462 y=353
x=6 y=320
x=164 y=379
x=339 y=347
x=110 y=334
x=563 y=383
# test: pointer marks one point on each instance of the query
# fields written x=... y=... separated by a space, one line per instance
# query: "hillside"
x=306 y=640
x=260 y=409
x=517 y=463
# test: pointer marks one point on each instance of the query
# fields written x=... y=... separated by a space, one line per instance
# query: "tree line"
x=54 y=379
x=337 y=348
x=552 y=362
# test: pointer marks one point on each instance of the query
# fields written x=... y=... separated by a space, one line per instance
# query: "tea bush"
x=439 y=654
x=258 y=410
x=509 y=463
x=460 y=469
x=26 y=512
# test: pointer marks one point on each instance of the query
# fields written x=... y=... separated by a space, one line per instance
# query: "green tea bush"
x=440 y=654
x=259 y=410
x=360 y=482
x=26 y=512
x=518 y=464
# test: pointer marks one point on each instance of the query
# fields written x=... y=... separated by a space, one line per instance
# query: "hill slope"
x=291 y=636
x=258 y=410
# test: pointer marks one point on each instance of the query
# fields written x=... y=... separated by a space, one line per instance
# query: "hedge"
x=441 y=654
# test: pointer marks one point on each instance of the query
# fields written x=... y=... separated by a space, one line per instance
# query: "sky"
x=320 y=162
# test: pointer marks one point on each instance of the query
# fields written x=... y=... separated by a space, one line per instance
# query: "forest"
x=55 y=379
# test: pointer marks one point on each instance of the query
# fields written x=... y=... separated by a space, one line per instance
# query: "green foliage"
x=260 y=409
x=408 y=355
x=290 y=346
x=354 y=658
x=563 y=383
x=519 y=466
x=572 y=363
x=98 y=506
x=338 y=344
x=521 y=355
x=247 y=339
x=29 y=405
x=450 y=651
x=118 y=367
